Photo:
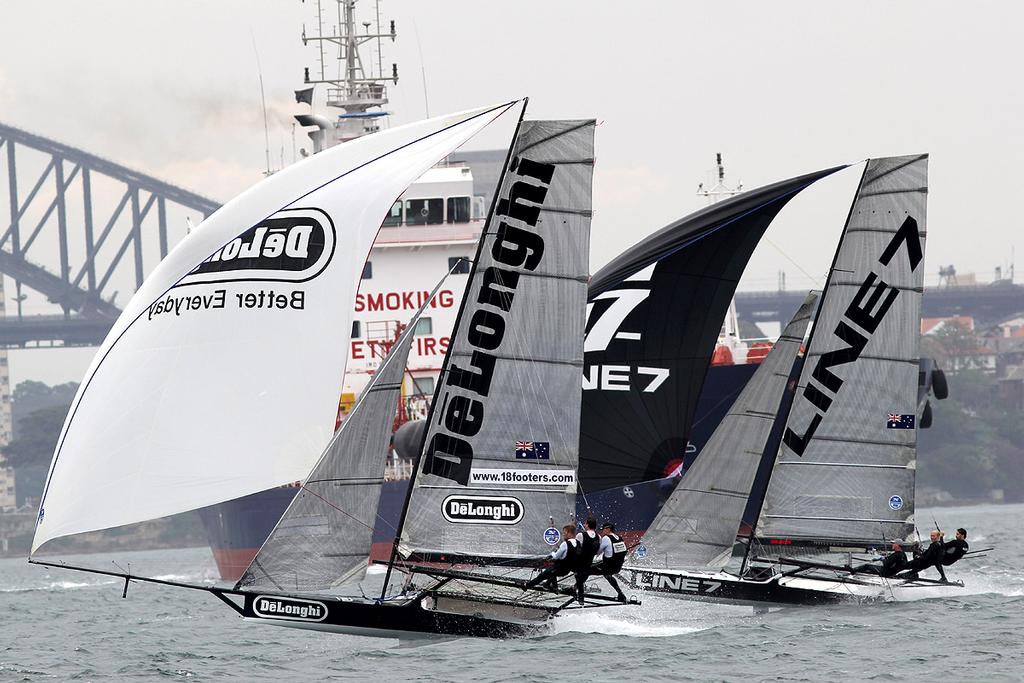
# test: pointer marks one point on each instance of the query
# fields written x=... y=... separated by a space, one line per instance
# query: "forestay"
x=698 y=524
x=323 y=539
x=653 y=323
x=845 y=472
x=501 y=447
x=220 y=378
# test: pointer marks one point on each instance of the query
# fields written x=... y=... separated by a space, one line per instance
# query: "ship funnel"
x=318 y=136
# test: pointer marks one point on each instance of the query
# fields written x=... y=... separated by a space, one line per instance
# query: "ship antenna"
x=359 y=91
x=263 y=101
x=423 y=69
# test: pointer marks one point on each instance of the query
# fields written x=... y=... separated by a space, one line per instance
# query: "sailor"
x=589 y=549
x=565 y=560
x=931 y=557
x=955 y=549
x=893 y=564
x=610 y=555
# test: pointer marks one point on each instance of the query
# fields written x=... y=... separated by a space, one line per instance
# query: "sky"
x=780 y=88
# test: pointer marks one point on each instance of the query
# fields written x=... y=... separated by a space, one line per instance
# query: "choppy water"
x=61 y=625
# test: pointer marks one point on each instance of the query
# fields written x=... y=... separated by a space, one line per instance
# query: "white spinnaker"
x=212 y=399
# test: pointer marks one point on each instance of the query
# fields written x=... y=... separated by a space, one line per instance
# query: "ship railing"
x=398 y=469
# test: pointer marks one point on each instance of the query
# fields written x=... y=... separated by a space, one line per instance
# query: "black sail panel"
x=655 y=314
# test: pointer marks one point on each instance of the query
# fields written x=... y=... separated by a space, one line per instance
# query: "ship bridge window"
x=357 y=329
x=368 y=270
x=423 y=386
x=459 y=265
x=394 y=216
x=459 y=209
x=424 y=326
x=424 y=211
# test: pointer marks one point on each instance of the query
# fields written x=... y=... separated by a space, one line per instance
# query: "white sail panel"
x=220 y=378
x=845 y=471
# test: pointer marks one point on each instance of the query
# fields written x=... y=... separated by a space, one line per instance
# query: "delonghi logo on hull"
x=668 y=583
x=292 y=609
x=294 y=245
x=482 y=510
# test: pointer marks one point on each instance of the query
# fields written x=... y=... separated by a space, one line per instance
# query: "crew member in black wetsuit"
x=565 y=557
x=589 y=546
x=956 y=548
x=931 y=557
x=893 y=564
x=611 y=554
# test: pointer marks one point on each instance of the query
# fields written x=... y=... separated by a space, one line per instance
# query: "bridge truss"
x=104 y=225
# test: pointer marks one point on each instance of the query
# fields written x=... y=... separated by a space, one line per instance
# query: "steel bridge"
x=64 y=242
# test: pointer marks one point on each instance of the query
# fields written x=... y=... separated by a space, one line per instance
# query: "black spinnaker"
x=654 y=318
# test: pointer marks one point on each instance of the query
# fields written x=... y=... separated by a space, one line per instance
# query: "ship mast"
x=731 y=327
x=358 y=90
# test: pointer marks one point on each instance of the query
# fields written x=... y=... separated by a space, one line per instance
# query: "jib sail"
x=192 y=399
x=324 y=537
x=697 y=525
x=845 y=470
x=501 y=445
x=654 y=319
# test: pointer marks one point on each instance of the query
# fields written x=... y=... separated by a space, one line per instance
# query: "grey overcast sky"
x=779 y=88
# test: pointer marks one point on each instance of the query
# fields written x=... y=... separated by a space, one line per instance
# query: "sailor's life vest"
x=588 y=547
x=614 y=563
x=572 y=549
x=953 y=551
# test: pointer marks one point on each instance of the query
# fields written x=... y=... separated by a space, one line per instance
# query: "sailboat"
x=218 y=380
x=835 y=428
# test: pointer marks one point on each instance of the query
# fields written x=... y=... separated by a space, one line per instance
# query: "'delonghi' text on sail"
x=220 y=378
x=501 y=445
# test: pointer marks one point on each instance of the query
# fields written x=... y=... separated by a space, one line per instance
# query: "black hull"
x=777 y=591
x=422 y=616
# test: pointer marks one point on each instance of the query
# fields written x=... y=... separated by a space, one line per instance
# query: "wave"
x=58 y=585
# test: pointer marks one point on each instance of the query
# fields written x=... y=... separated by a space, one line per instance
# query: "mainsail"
x=501 y=445
x=655 y=316
x=324 y=537
x=845 y=471
x=698 y=523
x=209 y=351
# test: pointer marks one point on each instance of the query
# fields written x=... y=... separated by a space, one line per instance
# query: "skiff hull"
x=722 y=587
x=423 y=616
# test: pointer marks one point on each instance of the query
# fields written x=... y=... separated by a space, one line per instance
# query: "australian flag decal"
x=900 y=421
x=533 y=450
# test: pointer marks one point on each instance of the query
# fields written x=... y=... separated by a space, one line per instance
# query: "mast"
x=771 y=451
x=720 y=191
x=359 y=91
x=447 y=357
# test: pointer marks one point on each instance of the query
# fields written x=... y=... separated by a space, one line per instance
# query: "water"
x=62 y=625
